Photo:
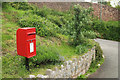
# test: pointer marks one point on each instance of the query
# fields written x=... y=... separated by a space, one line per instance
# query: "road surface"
x=109 y=69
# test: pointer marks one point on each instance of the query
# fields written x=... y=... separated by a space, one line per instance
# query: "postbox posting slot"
x=31 y=39
x=32 y=33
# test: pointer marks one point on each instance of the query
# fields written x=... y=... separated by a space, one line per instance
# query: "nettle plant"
x=78 y=24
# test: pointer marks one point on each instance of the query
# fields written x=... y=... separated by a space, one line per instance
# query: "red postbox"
x=26 y=42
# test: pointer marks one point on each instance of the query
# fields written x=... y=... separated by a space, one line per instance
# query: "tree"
x=81 y=20
x=118 y=6
x=105 y=3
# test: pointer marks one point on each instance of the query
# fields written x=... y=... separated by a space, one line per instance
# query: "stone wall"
x=108 y=13
x=71 y=68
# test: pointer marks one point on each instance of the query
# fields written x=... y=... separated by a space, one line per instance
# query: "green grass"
x=59 y=43
x=66 y=50
x=62 y=47
x=9 y=36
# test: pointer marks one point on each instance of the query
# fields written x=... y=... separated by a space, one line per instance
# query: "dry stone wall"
x=71 y=68
x=108 y=13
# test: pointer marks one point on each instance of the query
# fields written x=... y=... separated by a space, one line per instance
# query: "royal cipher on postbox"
x=26 y=42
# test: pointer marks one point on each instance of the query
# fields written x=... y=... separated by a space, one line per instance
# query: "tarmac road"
x=109 y=69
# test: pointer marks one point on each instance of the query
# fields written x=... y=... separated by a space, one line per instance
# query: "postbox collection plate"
x=31 y=47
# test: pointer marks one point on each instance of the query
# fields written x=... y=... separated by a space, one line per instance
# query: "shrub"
x=6 y=7
x=21 y=5
x=80 y=49
x=43 y=12
x=113 y=30
x=64 y=16
x=43 y=26
x=57 y=17
x=89 y=34
x=108 y=30
x=84 y=47
x=98 y=52
x=58 y=20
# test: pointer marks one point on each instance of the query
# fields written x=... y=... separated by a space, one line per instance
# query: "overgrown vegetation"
x=43 y=26
x=60 y=36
